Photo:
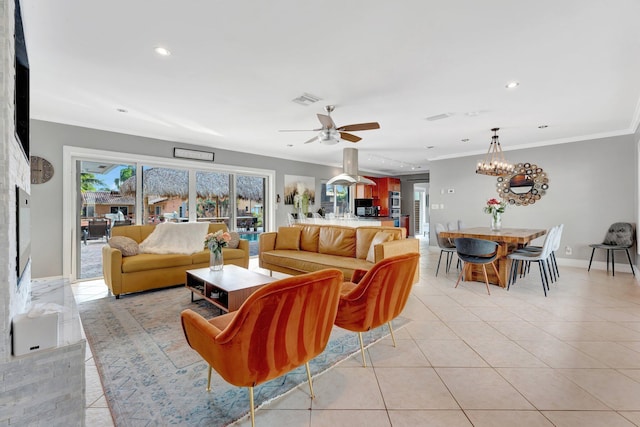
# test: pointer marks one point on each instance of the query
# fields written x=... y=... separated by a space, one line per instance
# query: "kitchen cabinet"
x=379 y=192
x=364 y=191
x=404 y=222
x=394 y=184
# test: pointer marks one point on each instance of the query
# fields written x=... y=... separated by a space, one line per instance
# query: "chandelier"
x=494 y=163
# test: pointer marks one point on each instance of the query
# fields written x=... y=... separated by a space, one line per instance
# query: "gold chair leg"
x=464 y=268
x=364 y=361
x=486 y=279
x=493 y=264
x=209 y=379
x=392 y=337
x=309 y=378
x=253 y=412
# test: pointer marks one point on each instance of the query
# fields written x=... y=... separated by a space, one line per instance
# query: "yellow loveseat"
x=303 y=248
x=124 y=274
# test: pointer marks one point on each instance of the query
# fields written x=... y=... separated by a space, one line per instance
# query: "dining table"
x=508 y=239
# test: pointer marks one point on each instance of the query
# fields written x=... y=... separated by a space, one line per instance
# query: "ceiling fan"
x=331 y=134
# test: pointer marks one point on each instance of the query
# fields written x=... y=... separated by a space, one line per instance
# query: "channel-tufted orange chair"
x=378 y=297
x=279 y=327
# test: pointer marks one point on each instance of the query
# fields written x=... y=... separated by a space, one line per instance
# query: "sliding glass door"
x=101 y=206
x=109 y=195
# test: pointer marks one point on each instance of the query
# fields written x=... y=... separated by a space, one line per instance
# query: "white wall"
x=592 y=184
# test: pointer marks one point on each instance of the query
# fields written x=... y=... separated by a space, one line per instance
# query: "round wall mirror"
x=527 y=184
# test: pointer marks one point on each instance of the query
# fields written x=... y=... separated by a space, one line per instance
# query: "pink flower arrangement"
x=494 y=206
x=216 y=241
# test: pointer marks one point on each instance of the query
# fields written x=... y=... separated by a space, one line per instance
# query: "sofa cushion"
x=311 y=261
x=126 y=245
x=144 y=262
x=235 y=240
x=364 y=236
x=288 y=238
x=339 y=241
x=380 y=237
x=309 y=238
x=135 y=232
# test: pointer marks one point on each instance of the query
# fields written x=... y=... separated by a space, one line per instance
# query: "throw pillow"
x=288 y=238
x=126 y=245
x=235 y=240
x=380 y=237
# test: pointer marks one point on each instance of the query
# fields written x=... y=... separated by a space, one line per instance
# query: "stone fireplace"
x=46 y=386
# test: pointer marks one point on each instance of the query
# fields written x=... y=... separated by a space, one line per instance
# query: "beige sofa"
x=304 y=248
x=124 y=274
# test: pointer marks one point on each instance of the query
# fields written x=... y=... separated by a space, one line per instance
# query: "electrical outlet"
x=435 y=206
x=568 y=250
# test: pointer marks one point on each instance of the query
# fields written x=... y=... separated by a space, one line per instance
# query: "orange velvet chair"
x=378 y=297
x=279 y=327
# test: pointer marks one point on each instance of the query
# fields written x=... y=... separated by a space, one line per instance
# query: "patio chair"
x=97 y=229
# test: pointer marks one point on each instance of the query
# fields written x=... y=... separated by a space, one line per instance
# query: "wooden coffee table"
x=228 y=288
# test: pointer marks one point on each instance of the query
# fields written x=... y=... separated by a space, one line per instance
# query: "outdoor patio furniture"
x=96 y=229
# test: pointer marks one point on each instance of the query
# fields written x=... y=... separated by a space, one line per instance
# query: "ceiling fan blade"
x=314 y=139
x=360 y=126
x=327 y=122
x=349 y=137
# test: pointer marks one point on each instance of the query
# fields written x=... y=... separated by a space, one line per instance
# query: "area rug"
x=152 y=377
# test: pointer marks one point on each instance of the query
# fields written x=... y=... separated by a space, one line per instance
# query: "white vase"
x=216 y=261
x=496 y=222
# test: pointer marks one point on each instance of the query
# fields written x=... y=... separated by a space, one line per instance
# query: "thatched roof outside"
x=171 y=182
x=106 y=198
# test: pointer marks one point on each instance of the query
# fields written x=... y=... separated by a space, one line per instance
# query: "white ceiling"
x=236 y=66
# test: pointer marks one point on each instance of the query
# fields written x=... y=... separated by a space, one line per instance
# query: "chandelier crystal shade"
x=494 y=163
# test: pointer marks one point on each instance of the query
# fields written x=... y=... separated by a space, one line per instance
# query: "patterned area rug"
x=152 y=377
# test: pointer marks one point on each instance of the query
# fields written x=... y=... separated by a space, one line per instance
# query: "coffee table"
x=228 y=288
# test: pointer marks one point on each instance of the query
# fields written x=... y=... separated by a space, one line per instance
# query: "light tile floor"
x=467 y=358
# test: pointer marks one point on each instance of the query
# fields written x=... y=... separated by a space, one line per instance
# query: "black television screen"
x=23 y=230
x=21 y=100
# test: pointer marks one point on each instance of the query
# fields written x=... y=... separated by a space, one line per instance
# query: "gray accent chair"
x=620 y=237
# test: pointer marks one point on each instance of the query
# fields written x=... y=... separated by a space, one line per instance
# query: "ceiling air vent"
x=439 y=117
x=306 y=99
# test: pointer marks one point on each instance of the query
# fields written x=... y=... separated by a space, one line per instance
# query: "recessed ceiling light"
x=121 y=110
x=162 y=51
x=465 y=140
x=428 y=147
x=543 y=126
x=289 y=145
x=512 y=85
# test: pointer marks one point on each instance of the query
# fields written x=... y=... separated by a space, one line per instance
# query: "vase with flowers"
x=215 y=242
x=496 y=208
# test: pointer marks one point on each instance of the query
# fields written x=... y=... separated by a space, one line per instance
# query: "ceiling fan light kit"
x=331 y=134
x=494 y=163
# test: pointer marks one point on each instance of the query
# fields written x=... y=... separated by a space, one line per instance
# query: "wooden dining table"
x=509 y=239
